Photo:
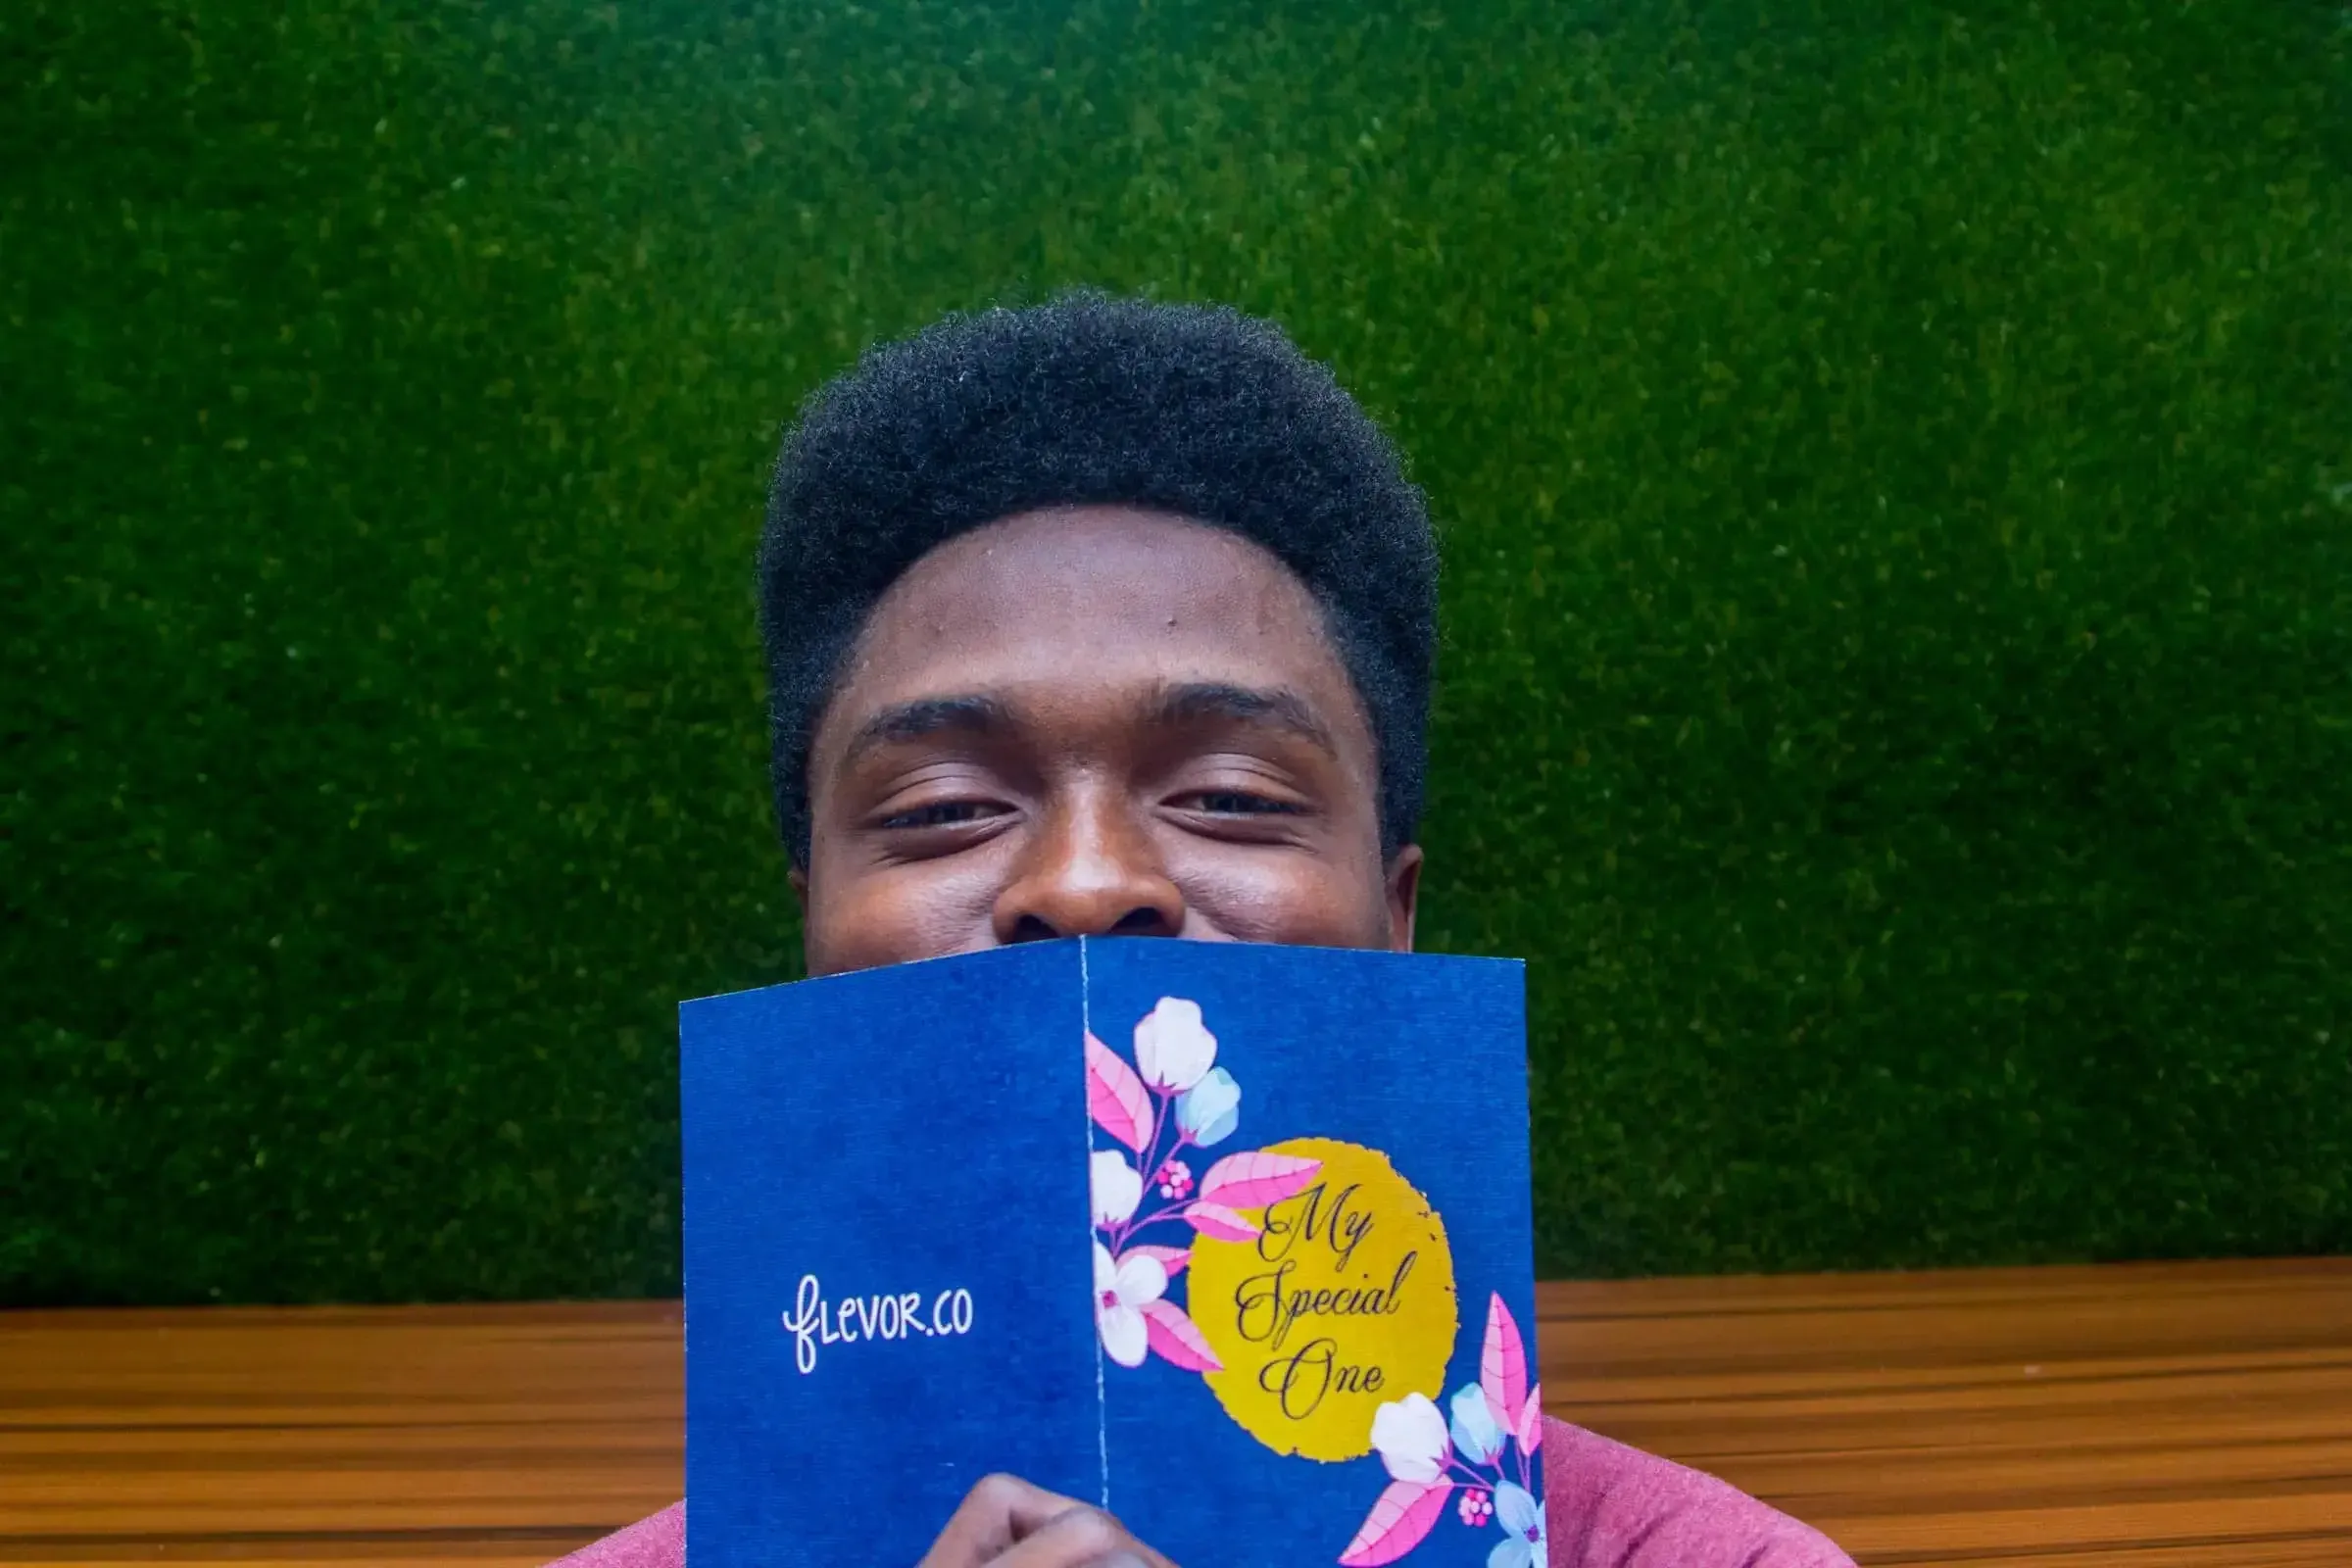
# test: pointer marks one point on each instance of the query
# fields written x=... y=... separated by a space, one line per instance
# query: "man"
x=1115 y=618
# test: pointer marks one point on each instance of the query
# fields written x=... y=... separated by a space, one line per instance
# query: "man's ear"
x=1404 y=891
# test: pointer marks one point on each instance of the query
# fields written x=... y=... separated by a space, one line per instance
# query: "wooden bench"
x=2139 y=1415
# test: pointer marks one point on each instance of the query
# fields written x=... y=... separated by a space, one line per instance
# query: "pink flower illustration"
x=1429 y=1456
x=1173 y=1099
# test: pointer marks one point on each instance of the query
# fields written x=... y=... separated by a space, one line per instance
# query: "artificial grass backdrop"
x=1898 y=689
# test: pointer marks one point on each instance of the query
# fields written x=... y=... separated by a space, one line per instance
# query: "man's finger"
x=994 y=1516
x=1080 y=1537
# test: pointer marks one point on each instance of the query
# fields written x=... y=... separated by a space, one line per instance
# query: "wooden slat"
x=2131 y=1416
x=2144 y=1414
x=483 y=1436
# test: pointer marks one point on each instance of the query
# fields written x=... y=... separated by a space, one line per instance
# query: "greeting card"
x=1232 y=1240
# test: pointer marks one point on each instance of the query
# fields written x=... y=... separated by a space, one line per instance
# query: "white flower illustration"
x=1410 y=1436
x=1123 y=1288
x=1173 y=1048
x=1115 y=1185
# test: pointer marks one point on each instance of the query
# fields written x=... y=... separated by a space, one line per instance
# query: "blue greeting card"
x=1231 y=1238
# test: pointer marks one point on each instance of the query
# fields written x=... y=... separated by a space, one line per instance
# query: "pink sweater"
x=1607 y=1505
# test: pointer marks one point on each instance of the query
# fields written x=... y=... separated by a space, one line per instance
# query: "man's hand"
x=1006 y=1523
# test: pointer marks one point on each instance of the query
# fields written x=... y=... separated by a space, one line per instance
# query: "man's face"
x=1095 y=721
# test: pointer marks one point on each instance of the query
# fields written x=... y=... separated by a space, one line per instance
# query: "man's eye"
x=1239 y=803
x=942 y=814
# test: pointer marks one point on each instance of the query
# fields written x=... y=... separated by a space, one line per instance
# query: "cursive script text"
x=815 y=1321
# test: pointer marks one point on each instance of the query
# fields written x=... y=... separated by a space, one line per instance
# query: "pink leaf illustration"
x=1502 y=1367
x=1115 y=1097
x=1215 y=1219
x=1171 y=1258
x=1255 y=1180
x=1175 y=1338
x=1531 y=1421
x=1397 y=1523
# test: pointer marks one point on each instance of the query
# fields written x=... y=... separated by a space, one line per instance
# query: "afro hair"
x=1195 y=411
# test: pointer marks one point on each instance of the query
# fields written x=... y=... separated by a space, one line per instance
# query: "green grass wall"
x=1898 y=485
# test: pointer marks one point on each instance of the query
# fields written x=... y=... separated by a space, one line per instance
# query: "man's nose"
x=1092 y=870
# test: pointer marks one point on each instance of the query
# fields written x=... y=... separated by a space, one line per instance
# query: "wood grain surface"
x=2128 y=1416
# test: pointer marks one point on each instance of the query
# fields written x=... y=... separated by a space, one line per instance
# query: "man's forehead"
x=1015 y=713
x=1092 y=564
x=1104 y=616
x=1097 y=587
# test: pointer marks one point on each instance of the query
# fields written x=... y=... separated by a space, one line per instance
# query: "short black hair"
x=1192 y=410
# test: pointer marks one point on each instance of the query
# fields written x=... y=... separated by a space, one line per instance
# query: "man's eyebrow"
x=970 y=713
x=1274 y=706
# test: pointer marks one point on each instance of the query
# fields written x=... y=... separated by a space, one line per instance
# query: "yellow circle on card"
x=1342 y=1302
